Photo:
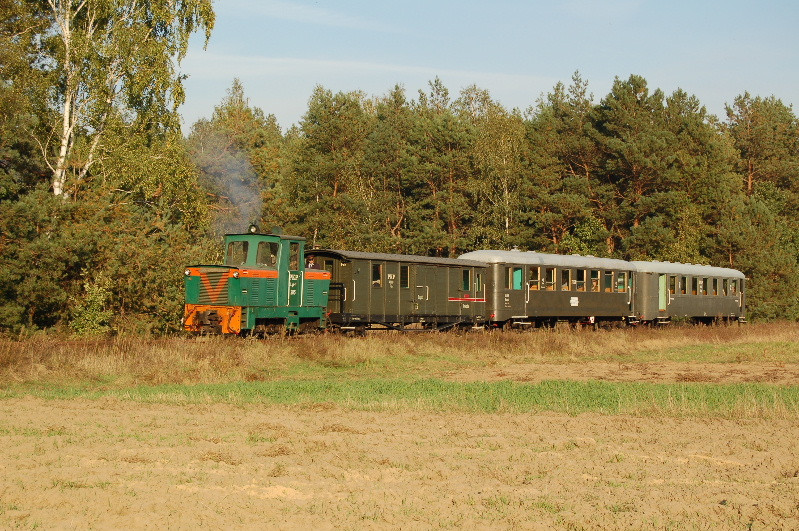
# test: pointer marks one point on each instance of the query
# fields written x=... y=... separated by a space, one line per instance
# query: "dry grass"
x=124 y=362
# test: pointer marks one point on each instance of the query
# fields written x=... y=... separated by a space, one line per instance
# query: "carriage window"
x=724 y=289
x=733 y=287
x=703 y=284
x=580 y=281
x=377 y=275
x=405 y=276
x=535 y=277
x=608 y=281
x=673 y=285
x=621 y=282
x=548 y=282
x=715 y=285
x=513 y=277
x=294 y=256
x=328 y=265
x=594 y=280
x=467 y=280
x=236 y=253
x=684 y=285
x=694 y=283
x=267 y=254
x=566 y=281
x=478 y=284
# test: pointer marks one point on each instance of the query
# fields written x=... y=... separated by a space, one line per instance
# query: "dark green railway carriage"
x=667 y=291
x=378 y=290
x=531 y=289
x=262 y=286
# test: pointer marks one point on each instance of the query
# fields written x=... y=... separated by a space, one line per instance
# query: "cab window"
x=267 y=254
x=237 y=253
x=294 y=256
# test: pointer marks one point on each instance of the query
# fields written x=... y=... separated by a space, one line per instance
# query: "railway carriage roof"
x=545 y=259
x=687 y=269
x=388 y=257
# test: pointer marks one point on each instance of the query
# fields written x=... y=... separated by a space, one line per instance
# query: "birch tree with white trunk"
x=114 y=59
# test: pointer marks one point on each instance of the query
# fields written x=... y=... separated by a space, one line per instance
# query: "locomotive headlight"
x=187 y=272
x=235 y=274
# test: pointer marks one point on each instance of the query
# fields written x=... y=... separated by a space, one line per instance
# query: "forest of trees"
x=104 y=199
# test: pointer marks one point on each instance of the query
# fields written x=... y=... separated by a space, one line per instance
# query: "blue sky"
x=517 y=50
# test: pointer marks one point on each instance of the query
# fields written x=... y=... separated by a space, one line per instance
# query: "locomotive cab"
x=263 y=286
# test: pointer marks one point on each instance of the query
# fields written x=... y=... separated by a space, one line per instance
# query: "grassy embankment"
x=390 y=371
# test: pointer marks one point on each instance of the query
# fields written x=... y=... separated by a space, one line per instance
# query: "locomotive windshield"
x=267 y=254
x=236 y=253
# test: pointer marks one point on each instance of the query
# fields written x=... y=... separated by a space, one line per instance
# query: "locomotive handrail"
x=353 y=290
x=527 y=292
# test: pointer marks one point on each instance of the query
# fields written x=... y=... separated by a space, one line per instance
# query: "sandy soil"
x=118 y=464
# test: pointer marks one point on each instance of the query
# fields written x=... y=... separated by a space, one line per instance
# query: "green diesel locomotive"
x=264 y=286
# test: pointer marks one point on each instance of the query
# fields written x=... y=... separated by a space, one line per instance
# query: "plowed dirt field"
x=111 y=463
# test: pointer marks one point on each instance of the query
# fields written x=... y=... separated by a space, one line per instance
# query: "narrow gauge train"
x=266 y=285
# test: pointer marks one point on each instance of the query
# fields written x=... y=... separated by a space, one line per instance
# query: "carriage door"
x=515 y=294
x=663 y=294
x=425 y=276
x=336 y=290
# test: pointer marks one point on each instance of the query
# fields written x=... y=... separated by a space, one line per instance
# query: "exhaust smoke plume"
x=228 y=174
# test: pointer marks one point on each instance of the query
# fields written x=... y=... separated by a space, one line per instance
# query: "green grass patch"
x=775 y=351
x=572 y=397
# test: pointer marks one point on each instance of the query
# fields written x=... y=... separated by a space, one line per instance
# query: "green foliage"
x=91 y=314
x=639 y=175
x=107 y=59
